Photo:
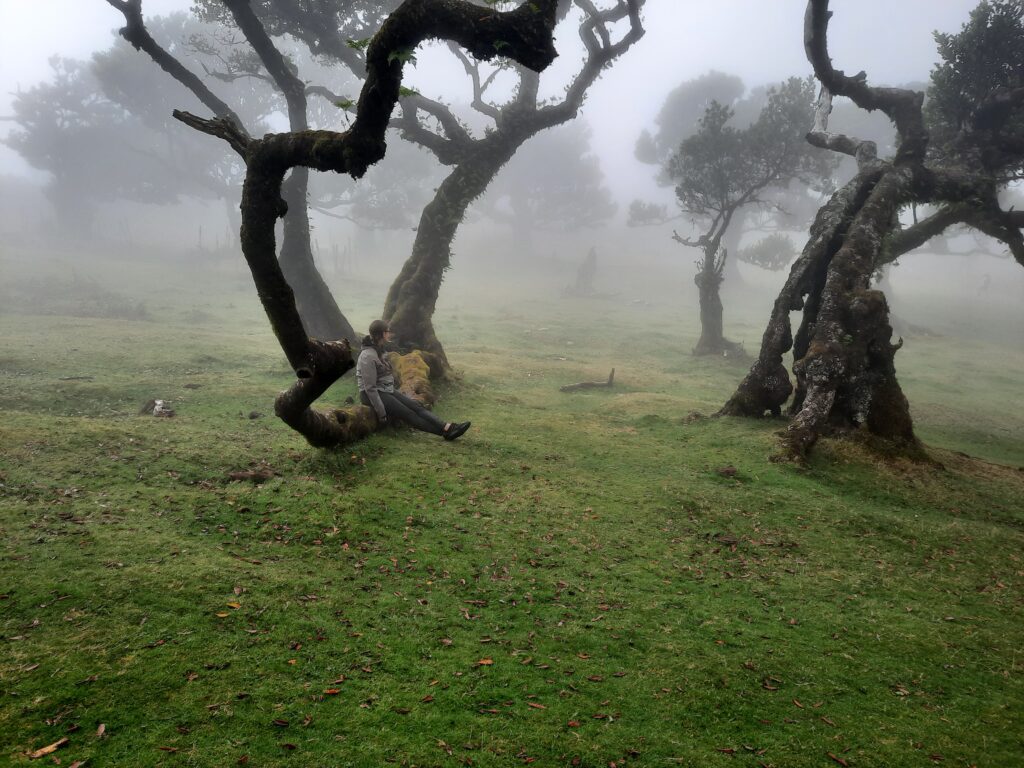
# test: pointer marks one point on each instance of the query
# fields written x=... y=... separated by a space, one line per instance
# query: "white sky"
x=759 y=40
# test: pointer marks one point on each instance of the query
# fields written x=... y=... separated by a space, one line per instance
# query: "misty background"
x=160 y=191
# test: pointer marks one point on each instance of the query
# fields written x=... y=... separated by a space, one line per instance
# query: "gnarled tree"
x=956 y=156
x=476 y=160
x=322 y=25
x=523 y=34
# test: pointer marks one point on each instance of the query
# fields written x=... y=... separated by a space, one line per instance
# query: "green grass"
x=636 y=607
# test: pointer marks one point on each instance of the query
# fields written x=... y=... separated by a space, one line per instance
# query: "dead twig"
x=589 y=384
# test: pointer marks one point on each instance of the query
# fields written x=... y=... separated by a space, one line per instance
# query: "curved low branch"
x=340 y=426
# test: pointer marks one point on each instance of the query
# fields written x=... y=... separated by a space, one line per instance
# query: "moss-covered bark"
x=843 y=352
x=709 y=278
x=524 y=34
x=341 y=426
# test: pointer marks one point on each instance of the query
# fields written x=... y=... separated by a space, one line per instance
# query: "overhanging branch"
x=902 y=106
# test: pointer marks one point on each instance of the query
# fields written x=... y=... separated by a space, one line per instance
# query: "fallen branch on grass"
x=589 y=384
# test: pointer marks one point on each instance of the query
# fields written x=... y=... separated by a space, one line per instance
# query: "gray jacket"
x=374 y=375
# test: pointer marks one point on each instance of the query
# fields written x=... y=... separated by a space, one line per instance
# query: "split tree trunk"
x=845 y=375
x=846 y=378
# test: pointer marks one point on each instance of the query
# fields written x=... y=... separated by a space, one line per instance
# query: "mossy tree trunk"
x=412 y=298
x=843 y=352
x=709 y=278
x=317 y=307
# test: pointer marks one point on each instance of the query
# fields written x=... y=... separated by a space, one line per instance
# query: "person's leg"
x=407 y=410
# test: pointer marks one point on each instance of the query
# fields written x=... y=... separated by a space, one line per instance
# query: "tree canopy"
x=722 y=168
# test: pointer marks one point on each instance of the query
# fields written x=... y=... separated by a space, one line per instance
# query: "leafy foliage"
x=69 y=128
x=722 y=168
x=682 y=112
x=643 y=213
x=985 y=58
x=773 y=252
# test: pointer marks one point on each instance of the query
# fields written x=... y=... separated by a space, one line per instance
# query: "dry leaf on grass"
x=48 y=749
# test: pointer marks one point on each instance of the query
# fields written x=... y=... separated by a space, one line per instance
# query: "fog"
x=178 y=218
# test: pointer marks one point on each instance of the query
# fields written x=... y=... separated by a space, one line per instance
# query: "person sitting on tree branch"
x=376 y=380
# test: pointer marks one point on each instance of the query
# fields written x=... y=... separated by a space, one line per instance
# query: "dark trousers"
x=402 y=408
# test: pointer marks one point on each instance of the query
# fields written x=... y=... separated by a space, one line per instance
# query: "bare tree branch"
x=700 y=242
x=453 y=129
x=479 y=87
x=288 y=83
x=819 y=136
x=220 y=127
x=902 y=106
x=138 y=36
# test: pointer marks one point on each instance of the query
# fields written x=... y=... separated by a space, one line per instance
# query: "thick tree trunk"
x=846 y=379
x=319 y=311
x=526 y=37
x=412 y=298
x=709 y=283
x=845 y=376
x=767 y=386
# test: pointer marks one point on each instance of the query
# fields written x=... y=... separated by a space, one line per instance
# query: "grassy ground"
x=572 y=583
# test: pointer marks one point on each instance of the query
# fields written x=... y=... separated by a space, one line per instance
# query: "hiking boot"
x=456 y=430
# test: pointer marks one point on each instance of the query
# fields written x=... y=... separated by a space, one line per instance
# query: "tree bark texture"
x=525 y=34
x=845 y=374
x=847 y=378
x=412 y=298
x=843 y=352
x=317 y=307
x=767 y=386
